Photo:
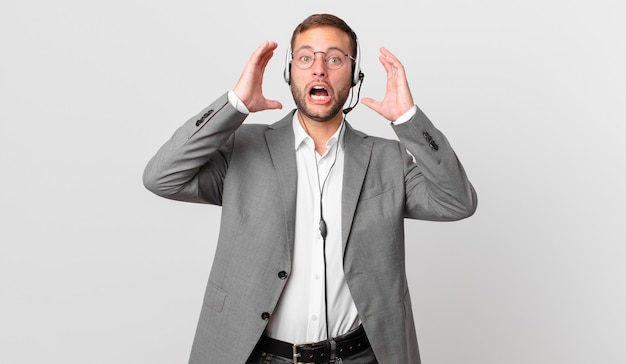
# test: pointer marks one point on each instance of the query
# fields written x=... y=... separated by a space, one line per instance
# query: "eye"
x=334 y=60
x=304 y=57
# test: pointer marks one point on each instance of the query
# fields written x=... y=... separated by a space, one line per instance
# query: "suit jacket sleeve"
x=437 y=187
x=192 y=164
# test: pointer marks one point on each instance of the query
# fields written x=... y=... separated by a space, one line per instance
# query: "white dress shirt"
x=300 y=316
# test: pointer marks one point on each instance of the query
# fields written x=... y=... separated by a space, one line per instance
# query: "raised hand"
x=397 y=99
x=249 y=88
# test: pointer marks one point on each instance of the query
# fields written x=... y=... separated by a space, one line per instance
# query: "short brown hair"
x=319 y=20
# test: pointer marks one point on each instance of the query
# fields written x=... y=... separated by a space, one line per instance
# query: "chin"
x=321 y=116
x=314 y=111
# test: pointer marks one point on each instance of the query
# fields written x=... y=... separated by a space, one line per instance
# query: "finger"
x=266 y=53
x=394 y=69
x=267 y=46
x=391 y=74
x=387 y=63
x=391 y=58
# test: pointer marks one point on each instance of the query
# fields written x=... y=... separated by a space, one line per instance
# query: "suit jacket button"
x=204 y=117
x=265 y=316
x=282 y=274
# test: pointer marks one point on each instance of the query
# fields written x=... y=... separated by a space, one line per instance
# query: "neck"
x=320 y=131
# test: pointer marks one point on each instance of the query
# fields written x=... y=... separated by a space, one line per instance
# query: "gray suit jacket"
x=250 y=170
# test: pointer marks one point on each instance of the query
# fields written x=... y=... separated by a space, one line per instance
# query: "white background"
x=95 y=269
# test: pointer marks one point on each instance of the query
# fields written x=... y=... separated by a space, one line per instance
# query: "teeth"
x=319 y=93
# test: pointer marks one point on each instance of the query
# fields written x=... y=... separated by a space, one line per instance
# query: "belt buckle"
x=333 y=358
x=296 y=355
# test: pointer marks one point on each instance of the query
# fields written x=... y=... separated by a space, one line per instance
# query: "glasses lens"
x=335 y=59
x=304 y=58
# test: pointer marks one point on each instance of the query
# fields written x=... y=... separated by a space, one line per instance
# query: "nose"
x=319 y=65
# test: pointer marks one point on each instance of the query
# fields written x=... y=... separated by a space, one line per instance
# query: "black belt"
x=323 y=351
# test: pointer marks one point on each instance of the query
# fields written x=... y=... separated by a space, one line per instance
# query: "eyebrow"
x=326 y=51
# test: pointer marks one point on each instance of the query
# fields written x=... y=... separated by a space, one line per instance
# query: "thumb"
x=371 y=103
x=274 y=104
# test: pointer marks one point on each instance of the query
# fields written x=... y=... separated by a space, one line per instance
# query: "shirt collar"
x=301 y=136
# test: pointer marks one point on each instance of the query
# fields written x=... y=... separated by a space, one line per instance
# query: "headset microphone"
x=349 y=108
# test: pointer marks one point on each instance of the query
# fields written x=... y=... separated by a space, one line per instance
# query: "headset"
x=357 y=75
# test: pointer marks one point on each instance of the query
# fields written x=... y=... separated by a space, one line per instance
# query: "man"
x=311 y=243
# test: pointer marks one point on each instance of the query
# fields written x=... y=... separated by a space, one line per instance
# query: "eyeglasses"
x=333 y=58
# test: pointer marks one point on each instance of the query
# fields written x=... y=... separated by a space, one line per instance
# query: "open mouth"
x=319 y=94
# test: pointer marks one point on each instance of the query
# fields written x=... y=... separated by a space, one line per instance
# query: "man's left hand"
x=398 y=99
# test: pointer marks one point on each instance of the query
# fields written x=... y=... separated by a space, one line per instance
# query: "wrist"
x=236 y=102
x=406 y=116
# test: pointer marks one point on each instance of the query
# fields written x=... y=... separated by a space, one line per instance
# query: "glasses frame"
x=324 y=58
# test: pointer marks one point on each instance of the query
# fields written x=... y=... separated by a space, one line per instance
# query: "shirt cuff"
x=234 y=100
x=406 y=116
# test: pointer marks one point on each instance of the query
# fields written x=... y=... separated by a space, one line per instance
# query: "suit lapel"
x=280 y=142
x=358 y=150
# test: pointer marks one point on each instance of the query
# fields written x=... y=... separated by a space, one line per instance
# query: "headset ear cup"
x=357 y=75
x=287 y=73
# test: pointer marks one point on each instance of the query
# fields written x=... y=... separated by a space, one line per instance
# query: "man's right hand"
x=249 y=88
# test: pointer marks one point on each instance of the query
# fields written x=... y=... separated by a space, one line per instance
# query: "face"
x=319 y=91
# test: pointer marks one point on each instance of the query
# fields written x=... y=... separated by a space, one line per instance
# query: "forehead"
x=321 y=38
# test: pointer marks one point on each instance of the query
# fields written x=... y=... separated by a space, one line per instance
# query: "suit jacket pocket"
x=374 y=191
x=214 y=297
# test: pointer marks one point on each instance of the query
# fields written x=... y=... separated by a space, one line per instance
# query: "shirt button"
x=265 y=316
x=314 y=317
x=282 y=274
